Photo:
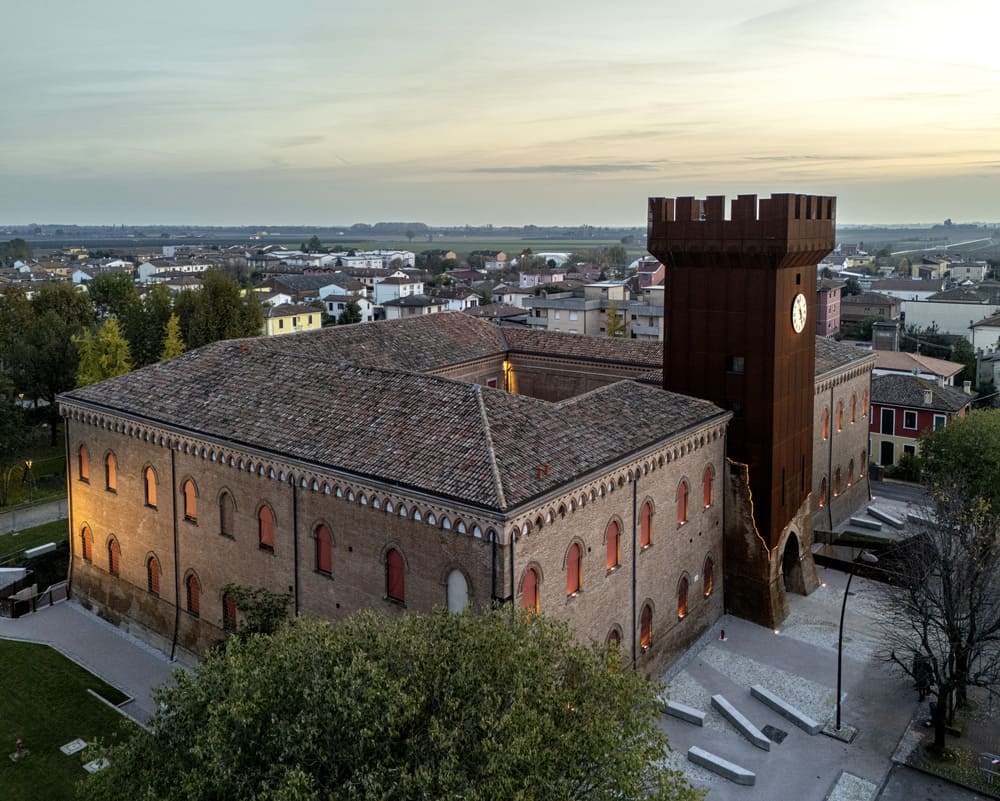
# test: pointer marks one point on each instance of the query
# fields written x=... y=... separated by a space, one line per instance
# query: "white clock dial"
x=799 y=312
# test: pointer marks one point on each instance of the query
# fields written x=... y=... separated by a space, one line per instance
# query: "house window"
x=910 y=450
x=646 y=525
x=149 y=482
x=826 y=423
x=457 y=591
x=226 y=509
x=822 y=493
x=682 y=598
x=83 y=463
x=310 y=319
x=110 y=473
x=574 y=315
x=281 y=323
x=153 y=575
x=612 y=537
x=114 y=557
x=395 y=589
x=573 y=559
x=228 y=612
x=682 y=503
x=708 y=576
x=190 y=501
x=529 y=590
x=557 y=314
x=86 y=544
x=193 y=590
x=324 y=549
x=615 y=637
x=840 y=415
x=492 y=382
x=864 y=402
x=888 y=420
x=735 y=364
x=939 y=421
x=646 y=627
x=706 y=486
x=910 y=420
x=265 y=528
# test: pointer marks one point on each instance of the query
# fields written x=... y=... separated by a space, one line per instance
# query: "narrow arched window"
x=615 y=637
x=193 y=590
x=149 y=483
x=226 y=510
x=83 y=463
x=457 y=592
x=324 y=549
x=864 y=403
x=153 y=575
x=613 y=545
x=707 y=479
x=228 y=612
x=573 y=557
x=190 y=501
x=87 y=544
x=395 y=587
x=850 y=473
x=646 y=525
x=854 y=408
x=682 y=503
x=822 y=493
x=646 y=627
x=840 y=415
x=682 y=598
x=529 y=590
x=836 y=482
x=114 y=557
x=265 y=528
x=826 y=423
x=708 y=576
x=861 y=464
x=110 y=473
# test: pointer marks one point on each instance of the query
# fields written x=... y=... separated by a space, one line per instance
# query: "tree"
x=221 y=311
x=113 y=294
x=967 y=450
x=73 y=306
x=263 y=611
x=962 y=352
x=410 y=234
x=14 y=250
x=615 y=324
x=852 y=287
x=173 y=345
x=485 y=706
x=14 y=434
x=145 y=327
x=102 y=355
x=350 y=314
x=313 y=245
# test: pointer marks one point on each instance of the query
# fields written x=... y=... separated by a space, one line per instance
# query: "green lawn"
x=46 y=704
x=12 y=545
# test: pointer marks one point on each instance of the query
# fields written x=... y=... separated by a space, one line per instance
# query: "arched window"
x=153 y=575
x=646 y=525
x=861 y=464
x=149 y=482
x=573 y=557
x=822 y=493
x=840 y=415
x=708 y=576
x=395 y=588
x=682 y=597
x=646 y=627
x=87 y=544
x=854 y=408
x=615 y=637
x=457 y=593
x=190 y=501
x=864 y=403
x=850 y=473
x=707 y=479
x=228 y=612
x=265 y=528
x=826 y=423
x=110 y=473
x=227 y=508
x=83 y=463
x=529 y=590
x=682 y=503
x=324 y=549
x=193 y=589
x=114 y=557
x=612 y=536
x=836 y=482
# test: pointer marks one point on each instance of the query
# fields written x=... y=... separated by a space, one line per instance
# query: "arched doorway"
x=791 y=567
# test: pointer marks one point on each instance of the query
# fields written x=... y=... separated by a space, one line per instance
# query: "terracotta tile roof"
x=908 y=391
x=577 y=346
x=832 y=355
x=908 y=362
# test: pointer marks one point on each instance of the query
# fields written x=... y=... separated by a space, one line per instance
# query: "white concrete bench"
x=684 y=712
x=723 y=767
x=740 y=721
x=865 y=523
x=885 y=517
x=785 y=709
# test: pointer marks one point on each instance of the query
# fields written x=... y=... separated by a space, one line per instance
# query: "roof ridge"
x=497 y=478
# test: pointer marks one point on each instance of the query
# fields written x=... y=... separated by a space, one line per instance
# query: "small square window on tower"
x=734 y=364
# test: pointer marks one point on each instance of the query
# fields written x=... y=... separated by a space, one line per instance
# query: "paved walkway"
x=119 y=659
x=27 y=516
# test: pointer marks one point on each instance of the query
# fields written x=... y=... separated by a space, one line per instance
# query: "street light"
x=871 y=559
x=28 y=477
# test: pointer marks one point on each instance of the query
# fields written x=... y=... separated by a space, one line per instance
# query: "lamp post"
x=29 y=478
x=865 y=556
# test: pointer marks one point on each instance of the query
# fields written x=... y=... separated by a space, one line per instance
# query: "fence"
x=16 y=607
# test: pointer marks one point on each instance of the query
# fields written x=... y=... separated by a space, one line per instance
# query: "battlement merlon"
x=787 y=230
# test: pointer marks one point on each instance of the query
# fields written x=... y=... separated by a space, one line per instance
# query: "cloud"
x=557 y=169
x=295 y=141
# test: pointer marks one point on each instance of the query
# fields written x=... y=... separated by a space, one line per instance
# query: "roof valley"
x=497 y=478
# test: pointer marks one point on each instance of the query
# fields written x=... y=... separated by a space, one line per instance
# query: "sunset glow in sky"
x=512 y=112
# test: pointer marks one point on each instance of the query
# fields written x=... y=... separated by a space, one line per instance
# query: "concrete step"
x=885 y=517
x=864 y=522
x=741 y=722
x=684 y=712
x=785 y=709
x=723 y=767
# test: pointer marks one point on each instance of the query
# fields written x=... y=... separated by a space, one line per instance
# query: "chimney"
x=928 y=397
x=940 y=380
x=967 y=387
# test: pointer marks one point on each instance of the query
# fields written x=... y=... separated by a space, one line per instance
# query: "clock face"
x=799 y=311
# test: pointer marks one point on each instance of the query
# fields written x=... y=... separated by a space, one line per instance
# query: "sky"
x=327 y=112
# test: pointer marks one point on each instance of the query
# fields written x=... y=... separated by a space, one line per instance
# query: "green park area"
x=46 y=704
x=37 y=472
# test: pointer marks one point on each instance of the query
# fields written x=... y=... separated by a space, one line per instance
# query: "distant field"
x=463 y=245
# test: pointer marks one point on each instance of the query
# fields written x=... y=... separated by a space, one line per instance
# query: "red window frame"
x=324 y=549
x=612 y=536
x=153 y=575
x=114 y=557
x=646 y=627
x=574 y=557
x=646 y=525
x=265 y=528
x=529 y=590
x=395 y=576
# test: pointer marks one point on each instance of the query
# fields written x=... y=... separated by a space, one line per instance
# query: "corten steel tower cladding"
x=740 y=295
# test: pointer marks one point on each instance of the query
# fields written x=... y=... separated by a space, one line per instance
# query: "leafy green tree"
x=615 y=324
x=113 y=294
x=967 y=449
x=221 y=311
x=185 y=306
x=14 y=434
x=14 y=250
x=486 y=706
x=264 y=611
x=173 y=345
x=962 y=352
x=16 y=314
x=350 y=314
x=146 y=326
x=102 y=355
x=852 y=287
x=73 y=306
